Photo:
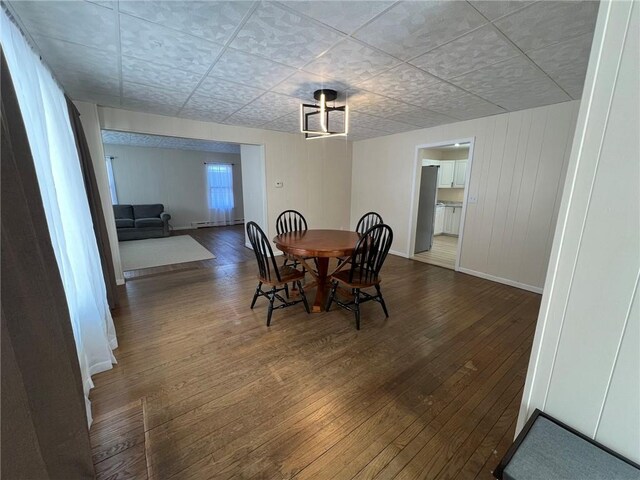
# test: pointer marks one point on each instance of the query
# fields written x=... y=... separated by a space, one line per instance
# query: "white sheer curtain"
x=220 y=192
x=53 y=147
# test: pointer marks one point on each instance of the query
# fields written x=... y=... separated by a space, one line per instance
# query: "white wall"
x=585 y=361
x=254 y=187
x=316 y=174
x=519 y=161
x=91 y=127
x=175 y=178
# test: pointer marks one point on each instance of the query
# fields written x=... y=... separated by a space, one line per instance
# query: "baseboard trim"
x=398 y=254
x=239 y=221
x=120 y=281
x=505 y=281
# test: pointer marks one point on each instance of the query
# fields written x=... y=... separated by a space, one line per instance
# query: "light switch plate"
x=473 y=199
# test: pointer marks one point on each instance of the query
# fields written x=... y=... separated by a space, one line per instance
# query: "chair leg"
x=272 y=297
x=332 y=295
x=384 y=305
x=286 y=289
x=356 y=305
x=304 y=297
x=255 y=295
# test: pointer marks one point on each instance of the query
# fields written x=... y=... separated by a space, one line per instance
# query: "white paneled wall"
x=585 y=362
x=518 y=168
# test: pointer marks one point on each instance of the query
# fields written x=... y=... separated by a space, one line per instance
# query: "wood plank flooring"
x=203 y=389
x=443 y=252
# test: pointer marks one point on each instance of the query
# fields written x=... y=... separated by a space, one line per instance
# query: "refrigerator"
x=426 y=208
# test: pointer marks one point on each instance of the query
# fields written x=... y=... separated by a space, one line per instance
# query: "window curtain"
x=46 y=119
x=220 y=190
x=95 y=205
x=44 y=428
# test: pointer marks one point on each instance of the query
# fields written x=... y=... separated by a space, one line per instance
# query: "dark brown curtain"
x=44 y=432
x=95 y=205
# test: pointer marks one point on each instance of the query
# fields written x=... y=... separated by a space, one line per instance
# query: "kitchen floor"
x=442 y=253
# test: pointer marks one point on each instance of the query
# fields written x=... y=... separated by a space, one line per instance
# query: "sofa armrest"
x=165 y=217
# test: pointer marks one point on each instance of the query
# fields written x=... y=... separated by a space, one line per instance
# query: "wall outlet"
x=279 y=184
x=473 y=199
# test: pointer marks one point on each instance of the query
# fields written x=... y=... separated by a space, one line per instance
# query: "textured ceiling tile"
x=493 y=9
x=548 y=22
x=111 y=137
x=160 y=45
x=477 y=49
x=203 y=115
x=374 y=104
x=566 y=62
x=288 y=123
x=84 y=62
x=247 y=118
x=411 y=28
x=402 y=82
x=363 y=120
x=93 y=97
x=145 y=93
x=285 y=37
x=250 y=70
x=473 y=108
x=267 y=108
x=513 y=84
x=223 y=89
x=423 y=118
x=350 y=62
x=303 y=84
x=74 y=21
x=345 y=16
x=211 y=20
x=149 y=107
x=205 y=105
x=147 y=73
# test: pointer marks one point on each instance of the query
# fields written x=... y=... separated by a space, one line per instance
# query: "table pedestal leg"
x=321 y=292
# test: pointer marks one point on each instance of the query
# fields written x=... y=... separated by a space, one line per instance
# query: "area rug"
x=154 y=252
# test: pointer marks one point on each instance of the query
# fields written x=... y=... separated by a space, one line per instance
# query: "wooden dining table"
x=321 y=245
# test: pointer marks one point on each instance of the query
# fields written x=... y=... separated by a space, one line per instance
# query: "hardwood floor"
x=443 y=252
x=203 y=389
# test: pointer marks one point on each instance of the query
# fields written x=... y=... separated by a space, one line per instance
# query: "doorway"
x=442 y=171
x=201 y=192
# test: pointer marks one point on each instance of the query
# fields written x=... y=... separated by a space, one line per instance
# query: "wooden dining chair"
x=270 y=274
x=364 y=271
x=366 y=221
x=290 y=221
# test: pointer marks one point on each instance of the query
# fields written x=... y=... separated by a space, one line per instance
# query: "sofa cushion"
x=123 y=211
x=148 y=222
x=124 y=222
x=148 y=211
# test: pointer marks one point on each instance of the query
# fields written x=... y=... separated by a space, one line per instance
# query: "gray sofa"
x=135 y=222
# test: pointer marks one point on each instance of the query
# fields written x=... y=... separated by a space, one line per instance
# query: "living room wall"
x=175 y=178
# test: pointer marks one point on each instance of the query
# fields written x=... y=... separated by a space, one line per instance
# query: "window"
x=220 y=183
x=112 y=181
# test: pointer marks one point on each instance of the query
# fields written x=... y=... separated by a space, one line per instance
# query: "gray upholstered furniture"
x=135 y=222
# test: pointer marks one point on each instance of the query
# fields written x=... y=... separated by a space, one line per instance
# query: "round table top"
x=318 y=243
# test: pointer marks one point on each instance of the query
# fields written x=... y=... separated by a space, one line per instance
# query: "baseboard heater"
x=216 y=224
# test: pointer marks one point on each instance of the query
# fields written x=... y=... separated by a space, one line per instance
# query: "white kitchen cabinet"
x=460 y=174
x=438 y=226
x=452 y=217
x=446 y=174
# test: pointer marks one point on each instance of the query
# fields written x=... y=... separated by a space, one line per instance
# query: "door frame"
x=415 y=193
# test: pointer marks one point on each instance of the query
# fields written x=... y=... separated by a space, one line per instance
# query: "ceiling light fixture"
x=316 y=120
